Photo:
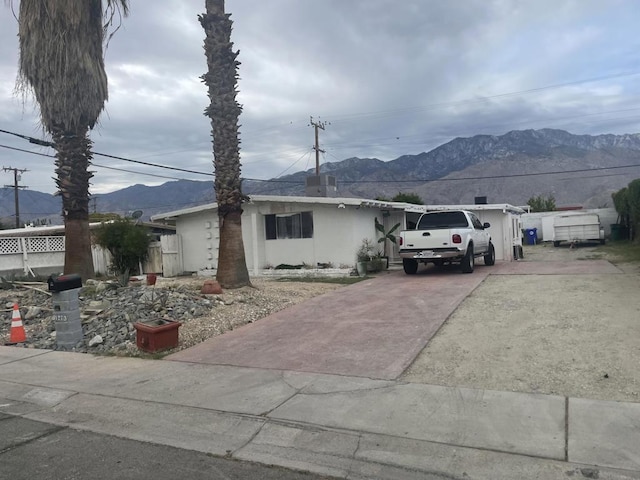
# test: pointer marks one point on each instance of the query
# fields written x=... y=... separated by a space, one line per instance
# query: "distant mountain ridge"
x=512 y=168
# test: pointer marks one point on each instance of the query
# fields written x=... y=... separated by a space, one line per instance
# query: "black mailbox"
x=62 y=283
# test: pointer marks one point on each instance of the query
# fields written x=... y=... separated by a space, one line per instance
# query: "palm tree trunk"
x=232 y=269
x=73 y=155
x=224 y=111
x=61 y=60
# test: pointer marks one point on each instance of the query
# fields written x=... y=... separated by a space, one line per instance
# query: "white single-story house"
x=316 y=230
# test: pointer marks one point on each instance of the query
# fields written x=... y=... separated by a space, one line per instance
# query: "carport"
x=505 y=220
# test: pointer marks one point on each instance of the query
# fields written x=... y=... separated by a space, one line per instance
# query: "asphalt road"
x=35 y=450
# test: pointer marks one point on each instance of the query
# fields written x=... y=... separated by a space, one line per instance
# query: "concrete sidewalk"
x=345 y=426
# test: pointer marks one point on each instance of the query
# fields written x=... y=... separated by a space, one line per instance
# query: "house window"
x=290 y=225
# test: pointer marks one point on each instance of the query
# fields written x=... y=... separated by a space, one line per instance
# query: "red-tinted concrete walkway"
x=373 y=329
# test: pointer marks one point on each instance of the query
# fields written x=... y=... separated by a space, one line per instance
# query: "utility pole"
x=15 y=186
x=317 y=126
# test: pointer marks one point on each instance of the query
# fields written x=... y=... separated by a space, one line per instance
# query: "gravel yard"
x=109 y=311
x=570 y=335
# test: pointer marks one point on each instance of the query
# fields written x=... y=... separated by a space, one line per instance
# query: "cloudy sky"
x=389 y=77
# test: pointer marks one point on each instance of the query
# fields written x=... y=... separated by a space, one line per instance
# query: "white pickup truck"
x=449 y=236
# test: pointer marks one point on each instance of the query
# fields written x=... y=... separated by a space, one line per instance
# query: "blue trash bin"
x=532 y=236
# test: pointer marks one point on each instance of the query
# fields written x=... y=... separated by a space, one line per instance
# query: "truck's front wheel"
x=410 y=266
x=468 y=261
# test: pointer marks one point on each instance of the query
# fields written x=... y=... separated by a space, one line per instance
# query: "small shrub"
x=127 y=243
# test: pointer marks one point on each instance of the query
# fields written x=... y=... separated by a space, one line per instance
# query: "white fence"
x=45 y=255
x=30 y=255
x=171 y=248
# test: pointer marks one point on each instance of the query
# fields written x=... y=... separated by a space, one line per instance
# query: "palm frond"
x=61 y=59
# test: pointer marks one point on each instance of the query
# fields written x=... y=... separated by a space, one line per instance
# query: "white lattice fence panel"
x=10 y=246
x=56 y=244
x=45 y=244
x=36 y=244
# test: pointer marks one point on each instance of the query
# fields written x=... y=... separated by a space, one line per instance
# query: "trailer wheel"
x=410 y=266
x=556 y=244
x=468 y=261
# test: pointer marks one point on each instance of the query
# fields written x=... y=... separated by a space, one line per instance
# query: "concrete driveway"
x=373 y=329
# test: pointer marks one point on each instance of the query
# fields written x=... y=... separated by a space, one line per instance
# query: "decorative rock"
x=211 y=287
x=33 y=312
x=108 y=312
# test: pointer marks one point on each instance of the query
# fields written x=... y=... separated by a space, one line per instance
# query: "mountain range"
x=510 y=168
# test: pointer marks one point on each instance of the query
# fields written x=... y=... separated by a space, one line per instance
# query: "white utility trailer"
x=576 y=228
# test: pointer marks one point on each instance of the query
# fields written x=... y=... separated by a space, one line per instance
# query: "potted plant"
x=376 y=263
x=386 y=235
x=156 y=334
x=363 y=256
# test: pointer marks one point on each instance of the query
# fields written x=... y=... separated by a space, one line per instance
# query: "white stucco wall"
x=500 y=232
x=200 y=239
x=337 y=234
x=40 y=263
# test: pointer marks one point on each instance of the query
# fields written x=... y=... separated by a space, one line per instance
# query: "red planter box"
x=156 y=336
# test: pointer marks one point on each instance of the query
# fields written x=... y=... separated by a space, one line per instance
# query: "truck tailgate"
x=427 y=239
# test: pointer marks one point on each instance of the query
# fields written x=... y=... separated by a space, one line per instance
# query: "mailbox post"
x=66 y=309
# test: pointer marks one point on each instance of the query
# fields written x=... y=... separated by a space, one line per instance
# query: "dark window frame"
x=296 y=225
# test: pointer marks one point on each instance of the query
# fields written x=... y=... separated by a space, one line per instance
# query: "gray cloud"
x=393 y=78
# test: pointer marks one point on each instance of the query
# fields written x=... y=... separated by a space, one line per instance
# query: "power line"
x=49 y=144
x=491 y=177
x=45 y=143
x=95 y=164
x=300 y=158
x=126 y=160
x=178 y=169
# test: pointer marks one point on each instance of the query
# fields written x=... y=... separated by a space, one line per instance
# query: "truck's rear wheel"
x=490 y=257
x=468 y=261
x=410 y=266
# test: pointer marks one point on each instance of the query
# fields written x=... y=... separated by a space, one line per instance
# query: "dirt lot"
x=571 y=335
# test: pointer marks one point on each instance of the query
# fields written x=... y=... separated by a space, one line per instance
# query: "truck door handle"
x=426 y=234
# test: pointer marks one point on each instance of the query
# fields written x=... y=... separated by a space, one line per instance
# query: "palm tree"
x=224 y=110
x=61 y=61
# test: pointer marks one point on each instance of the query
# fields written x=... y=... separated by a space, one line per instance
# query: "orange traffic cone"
x=17 y=329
